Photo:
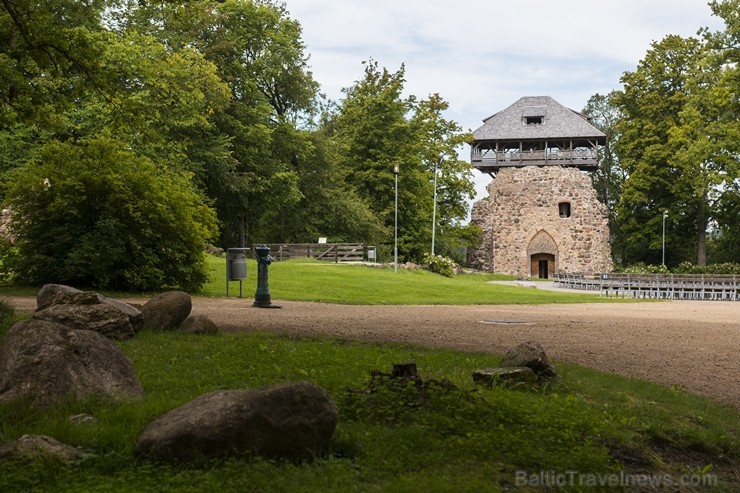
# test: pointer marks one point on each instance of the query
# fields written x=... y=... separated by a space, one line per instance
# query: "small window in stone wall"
x=564 y=209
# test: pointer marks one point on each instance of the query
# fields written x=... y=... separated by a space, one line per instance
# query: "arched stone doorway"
x=543 y=254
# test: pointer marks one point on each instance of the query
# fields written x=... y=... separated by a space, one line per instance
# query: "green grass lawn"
x=310 y=280
x=327 y=282
x=469 y=438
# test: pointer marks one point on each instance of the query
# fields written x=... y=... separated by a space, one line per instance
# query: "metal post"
x=262 y=297
x=663 y=263
x=395 y=224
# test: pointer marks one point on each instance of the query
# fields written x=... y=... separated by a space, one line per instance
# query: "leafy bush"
x=98 y=215
x=723 y=268
x=643 y=268
x=439 y=265
x=683 y=268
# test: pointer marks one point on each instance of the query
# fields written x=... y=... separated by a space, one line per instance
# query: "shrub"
x=439 y=265
x=643 y=268
x=723 y=268
x=98 y=215
x=683 y=268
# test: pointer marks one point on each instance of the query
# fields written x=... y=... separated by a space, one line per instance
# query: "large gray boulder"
x=102 y=318
x=60 y=294
x=134 y=314
x=167 y=310
x=286 y=421
x=532 y=355
x=51 y=294
x=46 y=362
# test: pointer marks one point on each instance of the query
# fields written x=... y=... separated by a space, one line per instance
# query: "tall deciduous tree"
x=439 y=140
x=373 y=136
x=328 y=206
x=376 y=129
x=651 y=102
x=709 y=135
x=104 y=119
x=258 y=52
x=48 y=62
x=680 y=143
x=47 y=58
x=610 y=176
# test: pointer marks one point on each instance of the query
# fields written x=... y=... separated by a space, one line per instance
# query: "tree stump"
x=406 y=371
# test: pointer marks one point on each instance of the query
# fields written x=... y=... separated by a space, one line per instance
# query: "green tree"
x=258 y=52
x=610 y=176
x=106 y=119
x=439 y=140
x=47 y=58
x=726 y=241
x=161 y=102
x=47 y=62
x=328 y=207
x=98 y=215
x=709 y=135
x=372 y=135
x=651 y=103
x=680 y=143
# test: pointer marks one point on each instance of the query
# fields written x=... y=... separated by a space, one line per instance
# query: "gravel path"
x=694 y=345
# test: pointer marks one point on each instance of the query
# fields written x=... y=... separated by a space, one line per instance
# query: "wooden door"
x=542 y=265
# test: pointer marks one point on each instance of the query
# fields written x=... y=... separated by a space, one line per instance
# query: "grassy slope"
x=307 y=280
x=301 y=280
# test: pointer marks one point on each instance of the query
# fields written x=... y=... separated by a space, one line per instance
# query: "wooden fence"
x=659 y=286
x=331 y=252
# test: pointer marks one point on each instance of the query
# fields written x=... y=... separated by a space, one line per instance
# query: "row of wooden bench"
x=658 y=286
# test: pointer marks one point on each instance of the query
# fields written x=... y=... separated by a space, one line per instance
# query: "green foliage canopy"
x=678 y=145
x=609 y=178
x=257 y=51
x=101 y=216
x=218 y=96
x=376 y=130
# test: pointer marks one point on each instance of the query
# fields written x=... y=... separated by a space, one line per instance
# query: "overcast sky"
x=483 y=55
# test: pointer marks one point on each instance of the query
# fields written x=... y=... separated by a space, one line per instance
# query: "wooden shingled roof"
x=558 y=122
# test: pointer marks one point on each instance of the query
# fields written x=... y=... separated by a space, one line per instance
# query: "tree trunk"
x=701 y=224
x=242 y=232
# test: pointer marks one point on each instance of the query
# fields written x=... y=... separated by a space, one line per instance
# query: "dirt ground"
x=694 y=345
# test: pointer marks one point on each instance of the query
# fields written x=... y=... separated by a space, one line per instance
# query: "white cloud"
x=482 y=55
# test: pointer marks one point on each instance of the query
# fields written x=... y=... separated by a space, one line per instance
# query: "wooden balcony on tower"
x=536 y=131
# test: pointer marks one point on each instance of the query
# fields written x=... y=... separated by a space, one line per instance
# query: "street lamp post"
x=664 y=215
x=395 y=222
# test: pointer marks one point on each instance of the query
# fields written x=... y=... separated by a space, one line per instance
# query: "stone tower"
x=541 y=215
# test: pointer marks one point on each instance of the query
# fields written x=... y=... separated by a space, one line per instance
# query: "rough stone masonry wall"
x=523 y=202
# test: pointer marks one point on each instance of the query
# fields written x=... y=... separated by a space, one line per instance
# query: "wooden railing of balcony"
x=492 y=158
